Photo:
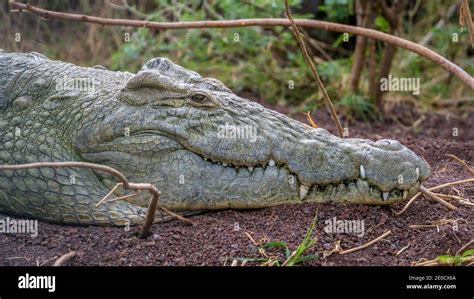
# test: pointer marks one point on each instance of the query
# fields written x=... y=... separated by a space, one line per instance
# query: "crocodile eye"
x=203 y=99
x=199 y=98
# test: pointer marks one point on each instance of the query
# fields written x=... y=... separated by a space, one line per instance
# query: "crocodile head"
x=206 y=148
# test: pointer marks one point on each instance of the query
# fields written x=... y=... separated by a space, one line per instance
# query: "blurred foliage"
x=258 y=60
x=337 y=10
x=358 y=107
x=381 y=24
x=258 y=63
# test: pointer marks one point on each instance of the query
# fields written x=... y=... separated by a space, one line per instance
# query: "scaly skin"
x=169 y=126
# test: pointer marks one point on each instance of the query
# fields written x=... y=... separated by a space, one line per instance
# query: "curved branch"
x=374 y=34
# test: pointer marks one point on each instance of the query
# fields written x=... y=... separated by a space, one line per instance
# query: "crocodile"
x=201 y=145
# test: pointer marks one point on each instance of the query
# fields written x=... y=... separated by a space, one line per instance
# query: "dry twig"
x=310 y=119
x=465 y=246
x=366 y=244
x=298 y=35
x=63 y=259
x=337 y=246
x=41 y=263
x=436 y=198
x=460 y=182
x=412 y=200
x=465 y=18
x=402 y=250
x=439 y=222
x=108 y=194
x=433 y=189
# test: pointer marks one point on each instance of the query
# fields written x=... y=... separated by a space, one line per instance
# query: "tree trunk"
x=362 y=8
x=393 y=15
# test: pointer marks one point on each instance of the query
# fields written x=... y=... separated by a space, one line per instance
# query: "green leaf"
x=273 y=244
x=277 y=244
x=307 y=243
x=382 y=23
x=448 y=259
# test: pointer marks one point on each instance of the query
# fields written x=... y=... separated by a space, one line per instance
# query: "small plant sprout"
x=292 y=258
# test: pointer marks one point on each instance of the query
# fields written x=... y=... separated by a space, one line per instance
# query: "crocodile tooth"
x=224 y=164
x=271 y=162
x=250 y=169
x=385 y=195
x=362 y=171
x=303 y=191
x=417 y=171
x=405 y=194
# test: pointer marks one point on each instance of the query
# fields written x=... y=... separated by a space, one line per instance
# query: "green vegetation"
x=358 y=106
x=292 y=258
x=264 y=62
x=456 y=260
x=261 y=63
x=256 y=60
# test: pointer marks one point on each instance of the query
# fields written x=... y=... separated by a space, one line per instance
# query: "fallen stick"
x=39 y=264
x=123 y=197
x=471 y=180
x=459 y=198
x=433 y=262
x=436 y=198
x=260 y=249
x=433 y=189
x=177 y=216
x=408 y=204
x=402 y=250
x=466 y=202
x=449 y=196
x=108 y=194
x=464 y=247
x=438 y=223
x=366 y=244
x=63 y=259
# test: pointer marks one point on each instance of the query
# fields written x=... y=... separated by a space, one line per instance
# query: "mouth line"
x=384 y=196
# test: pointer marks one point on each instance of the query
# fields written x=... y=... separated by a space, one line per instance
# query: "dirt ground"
x=217 y=237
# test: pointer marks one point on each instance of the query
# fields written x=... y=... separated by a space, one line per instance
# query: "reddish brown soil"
x=213 y=238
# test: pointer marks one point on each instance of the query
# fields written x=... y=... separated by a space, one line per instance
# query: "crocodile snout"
x=356 y=170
